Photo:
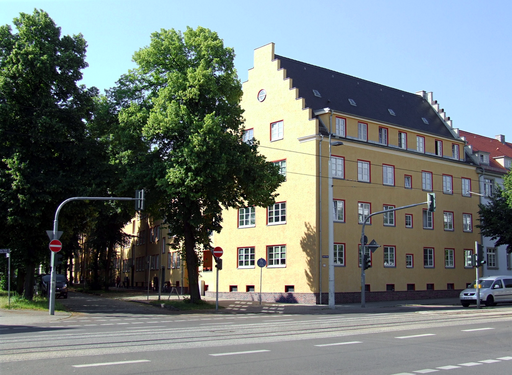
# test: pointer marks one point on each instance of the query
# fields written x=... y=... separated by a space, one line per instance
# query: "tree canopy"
x=495 y=218
x=182 y=105
x=44 y=146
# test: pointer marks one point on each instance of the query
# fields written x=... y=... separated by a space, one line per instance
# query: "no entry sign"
x=55 y=246
x=217 y=252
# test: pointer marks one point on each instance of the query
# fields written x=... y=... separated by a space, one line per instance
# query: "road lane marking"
x=477 y=329
x=340 y=343
x=449 y=367
x=470 y=364
x=426 y=371
x=487 y=361
x=238 y=353
x=505 y=358
x=111 y=363
x=415 y=336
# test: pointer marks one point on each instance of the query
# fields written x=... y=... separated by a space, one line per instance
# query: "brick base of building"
x=341 y=298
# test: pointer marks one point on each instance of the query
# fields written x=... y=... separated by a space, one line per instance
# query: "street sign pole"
x=261 y=263
x=217 y=288
x=7 y=253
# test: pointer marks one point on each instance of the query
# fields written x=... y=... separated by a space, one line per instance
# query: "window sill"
x=278 y=223
x=278 y=266
x=246 y=267
x=247 y=226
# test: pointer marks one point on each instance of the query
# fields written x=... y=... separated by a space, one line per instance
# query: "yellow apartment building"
x=396 y=147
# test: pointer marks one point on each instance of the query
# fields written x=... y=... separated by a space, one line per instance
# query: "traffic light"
x=58 y=259
x=140 y=200
x=367 y=261
x=431 y=201
x=219 y=263
x=480 y=257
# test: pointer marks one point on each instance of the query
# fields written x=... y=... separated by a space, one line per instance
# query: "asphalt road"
x=117 y=337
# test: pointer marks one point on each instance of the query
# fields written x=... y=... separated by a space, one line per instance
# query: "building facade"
x=493 y=157
x=396 y=147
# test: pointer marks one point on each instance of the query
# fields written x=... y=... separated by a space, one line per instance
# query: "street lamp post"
x=332 y=295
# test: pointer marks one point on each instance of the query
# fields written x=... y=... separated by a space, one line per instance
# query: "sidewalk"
x=23 y=318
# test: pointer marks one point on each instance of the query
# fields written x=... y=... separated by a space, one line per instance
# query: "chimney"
x=501 y=138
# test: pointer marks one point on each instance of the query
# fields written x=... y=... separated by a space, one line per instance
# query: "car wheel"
x=465 y=304
x=490 y=301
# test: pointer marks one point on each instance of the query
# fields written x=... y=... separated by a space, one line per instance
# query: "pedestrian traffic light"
x=431 y=201
x=367 y=261
x=219 y=263
x=471 y=260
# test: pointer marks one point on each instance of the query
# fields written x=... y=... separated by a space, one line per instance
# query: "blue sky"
x=460 y=50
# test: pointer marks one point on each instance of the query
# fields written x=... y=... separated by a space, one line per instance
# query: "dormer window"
x=483 y=158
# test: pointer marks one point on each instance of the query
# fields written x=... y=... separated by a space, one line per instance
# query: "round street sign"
x=55 y=246
x=217 y=252
x=262 y=262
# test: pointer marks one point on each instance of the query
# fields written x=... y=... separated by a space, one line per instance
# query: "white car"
x=493 y=289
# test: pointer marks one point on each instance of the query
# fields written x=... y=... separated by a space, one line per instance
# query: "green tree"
x=185 y=112
x=495 y=219
x=43 y=137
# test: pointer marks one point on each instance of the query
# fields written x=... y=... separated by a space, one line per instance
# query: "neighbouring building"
x=397 y=147
x=493 y=157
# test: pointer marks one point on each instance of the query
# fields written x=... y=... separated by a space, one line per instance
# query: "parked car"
x=61 y=285
x=493 y=289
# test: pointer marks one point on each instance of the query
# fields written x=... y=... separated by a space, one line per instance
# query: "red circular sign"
x=218 y=252
x=55 y=246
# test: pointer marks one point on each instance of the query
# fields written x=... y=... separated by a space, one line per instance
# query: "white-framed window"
x=363 y=171
x=448 y=220
x=339 y=210
x=338 y=166
x=407 y=181
x=247 y=217
x=389 y=217
x=277 y=213
x=363 y=211
x=426 y=180
x=439 y=148
x=449 y=258
x=409 y=260
x=466 y=187
x=340 y=126
x=383 y=136
x=467 y=222
x=276 y=255
x=282 y=166
x=402 y=140
x=492 y=257
x=276 y=131
x=246 y=257
x=408 y=220
x=388 y=175
x=389 y=256
x=488 y=187
x=484 y=158
x=176 y=260
x=455 y=151
x=428 y=257
x=339 y=254
x=248 y=135
x=428 y=219
x=362 y=131
x=420 y=144
x=447 y=184
x=468 y=258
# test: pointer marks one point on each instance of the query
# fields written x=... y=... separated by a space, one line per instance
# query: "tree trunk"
x=192 y=264
x=29 y=281
x=20 y=280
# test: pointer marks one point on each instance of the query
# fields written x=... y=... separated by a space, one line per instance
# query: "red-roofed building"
x=493 y=157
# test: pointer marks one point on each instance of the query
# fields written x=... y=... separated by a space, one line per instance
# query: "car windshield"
x=483 y=283
x=59 y=278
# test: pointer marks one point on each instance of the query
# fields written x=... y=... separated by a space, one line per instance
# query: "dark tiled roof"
x=373 y=100
x=493 y=146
